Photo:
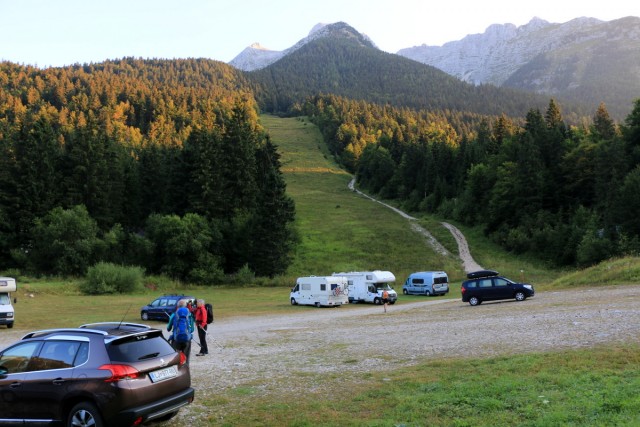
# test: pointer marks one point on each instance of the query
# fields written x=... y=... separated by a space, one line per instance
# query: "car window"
x=133 y=350
x=471 y=284
x=17 y=358
x=485 y=283
x=499 y=281
x=418 y=281
x=55 y=355
x=83 y=354
x=440 y=280
x=155 y=303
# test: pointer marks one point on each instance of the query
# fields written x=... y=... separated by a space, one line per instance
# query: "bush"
x=64 y=242
x=244 y=276
x=107 y=278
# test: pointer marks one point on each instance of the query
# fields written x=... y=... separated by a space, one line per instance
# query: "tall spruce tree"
x=272 y=225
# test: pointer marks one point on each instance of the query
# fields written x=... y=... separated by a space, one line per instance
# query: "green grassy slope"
x=340 y=230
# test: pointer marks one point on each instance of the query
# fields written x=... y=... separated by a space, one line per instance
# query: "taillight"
x=183 y=358
x=120 y=372
x=462 y=289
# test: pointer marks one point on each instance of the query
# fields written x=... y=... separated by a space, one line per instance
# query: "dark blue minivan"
x=488 y=285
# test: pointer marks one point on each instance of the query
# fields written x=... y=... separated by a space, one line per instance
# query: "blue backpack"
x=181 y=325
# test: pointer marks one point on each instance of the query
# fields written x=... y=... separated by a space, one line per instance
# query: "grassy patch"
x=571 y=388
x=619 y=271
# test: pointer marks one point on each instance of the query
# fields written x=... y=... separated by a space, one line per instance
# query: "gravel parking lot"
x=263 y=352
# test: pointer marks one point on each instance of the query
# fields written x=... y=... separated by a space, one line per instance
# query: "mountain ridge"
x=559 y=60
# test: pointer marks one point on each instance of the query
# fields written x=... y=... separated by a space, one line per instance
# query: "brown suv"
x=102 y=374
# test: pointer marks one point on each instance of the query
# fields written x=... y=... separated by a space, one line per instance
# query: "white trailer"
x=7 y=314
x=368 y=286
x=328 y=291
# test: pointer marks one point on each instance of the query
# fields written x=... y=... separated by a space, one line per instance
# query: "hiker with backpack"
x=181 y=325
x=202 y=320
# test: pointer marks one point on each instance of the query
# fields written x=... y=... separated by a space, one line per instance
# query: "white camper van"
x=7 y=285
x=330 y=291
x=367 y=286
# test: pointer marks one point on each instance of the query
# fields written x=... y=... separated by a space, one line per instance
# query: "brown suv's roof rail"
x=44 y=332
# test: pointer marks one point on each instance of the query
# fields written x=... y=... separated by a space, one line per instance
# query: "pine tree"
x=603 y=126
x=272 y=226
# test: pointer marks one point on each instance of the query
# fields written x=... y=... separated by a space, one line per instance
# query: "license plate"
x=163 y=374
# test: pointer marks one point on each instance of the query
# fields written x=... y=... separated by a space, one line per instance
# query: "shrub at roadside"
x=107 y=278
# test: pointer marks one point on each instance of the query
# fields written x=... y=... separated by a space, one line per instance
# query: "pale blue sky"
x=63 y=32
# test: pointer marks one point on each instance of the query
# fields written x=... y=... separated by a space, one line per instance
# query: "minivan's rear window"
x=134 y=349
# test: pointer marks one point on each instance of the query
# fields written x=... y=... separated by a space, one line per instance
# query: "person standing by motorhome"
x=181 y=325
x=201 y=324
x=385 y=299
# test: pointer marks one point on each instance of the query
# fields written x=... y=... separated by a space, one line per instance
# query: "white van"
x=328 y=291
x=368 y=286
x=7 y=285
x=426 y=283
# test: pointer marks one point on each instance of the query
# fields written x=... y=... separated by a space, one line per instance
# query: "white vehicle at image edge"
x=7 y=313
x=321 y=291
x=368 y=286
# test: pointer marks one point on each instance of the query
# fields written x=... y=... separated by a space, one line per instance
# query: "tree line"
x=160 y=164
x=565 y=194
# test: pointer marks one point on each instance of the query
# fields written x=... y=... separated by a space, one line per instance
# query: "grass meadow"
x=341 y=231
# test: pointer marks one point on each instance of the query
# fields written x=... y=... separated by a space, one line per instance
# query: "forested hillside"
x=564 y=194
x=160 y=164
x=163 y=163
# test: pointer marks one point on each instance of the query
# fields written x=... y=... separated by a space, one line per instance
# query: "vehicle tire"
x=9 y=325
x=377 y=301
x=428 y=293
x=352 y=301
x=474 y=301
x=404 y=291
x=520 y=296
x=293 y=301
x=318 y=304
x=84 y=414
x=144 y=315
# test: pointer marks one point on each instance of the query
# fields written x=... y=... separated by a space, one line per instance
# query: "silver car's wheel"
x=520 y=296
x=144 y=315
x=404 y=291
x=84 y=414
x=293 y=301
x=318 y=304
x=474 y=301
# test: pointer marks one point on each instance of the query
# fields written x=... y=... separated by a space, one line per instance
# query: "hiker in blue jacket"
x=181 y=325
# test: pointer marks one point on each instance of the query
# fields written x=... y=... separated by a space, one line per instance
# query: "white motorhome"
x=7 y=285
x=329 y=291
x=368 y=286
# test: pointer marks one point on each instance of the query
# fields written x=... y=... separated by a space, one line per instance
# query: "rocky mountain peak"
x=256 y=56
